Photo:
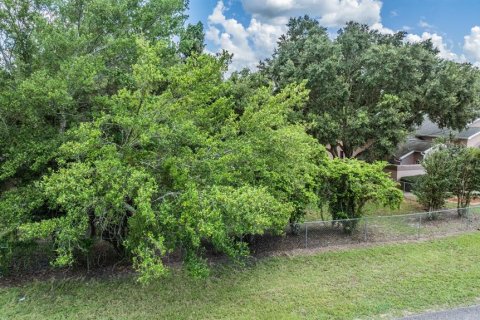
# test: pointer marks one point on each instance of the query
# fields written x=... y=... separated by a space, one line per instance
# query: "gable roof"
x=430 y=129
x=412 y=144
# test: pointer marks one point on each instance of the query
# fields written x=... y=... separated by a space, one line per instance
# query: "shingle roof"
x=430 y=129
x=412 y=144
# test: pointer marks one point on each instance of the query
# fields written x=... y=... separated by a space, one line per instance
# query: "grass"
x=407 y=206
x=371 y=209
x=377 y=282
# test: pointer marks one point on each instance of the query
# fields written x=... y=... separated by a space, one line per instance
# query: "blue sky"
x=249 y=28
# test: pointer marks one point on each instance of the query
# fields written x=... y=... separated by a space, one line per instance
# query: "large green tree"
x=170 y=162
x=59 y=61
x=58 y=58
x=367 y=89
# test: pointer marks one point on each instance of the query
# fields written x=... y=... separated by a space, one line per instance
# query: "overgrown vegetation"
x=349 y=184
x=115 y=125
x=432 y=189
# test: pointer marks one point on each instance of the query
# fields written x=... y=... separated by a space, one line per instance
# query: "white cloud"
x=338 y=12
x=255 y=42
x=331 y=13
x=234 y=38
x=424 y=24
x=444 y=51
x=381 y=28
x=264 y=36
x=471 y=45
x=414 y=38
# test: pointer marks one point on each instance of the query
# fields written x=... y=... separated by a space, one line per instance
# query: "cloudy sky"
x=249 y=28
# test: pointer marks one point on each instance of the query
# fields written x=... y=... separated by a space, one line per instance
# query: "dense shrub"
x=348 y=184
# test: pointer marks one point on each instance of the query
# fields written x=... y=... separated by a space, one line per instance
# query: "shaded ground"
x=473 y=202
x=102 y=263
x=312 y=237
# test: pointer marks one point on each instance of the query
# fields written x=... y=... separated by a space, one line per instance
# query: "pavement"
x=467 y=313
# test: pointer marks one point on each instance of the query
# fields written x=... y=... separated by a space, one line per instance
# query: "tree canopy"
x=115 y=126
x=367 y=89
x=432 y=189
x=113 y=131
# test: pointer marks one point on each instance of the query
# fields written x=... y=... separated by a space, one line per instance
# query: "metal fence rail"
x=326 y=233
x=338 y=233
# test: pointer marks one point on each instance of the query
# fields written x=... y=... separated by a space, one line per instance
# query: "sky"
x=250 y=28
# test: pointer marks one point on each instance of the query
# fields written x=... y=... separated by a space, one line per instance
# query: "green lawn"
x=371 y=209
x=373 y=282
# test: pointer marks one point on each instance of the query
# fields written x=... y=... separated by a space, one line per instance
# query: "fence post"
x=365 y=229
x=467 y=218
x=418 y=227
x=306 y=235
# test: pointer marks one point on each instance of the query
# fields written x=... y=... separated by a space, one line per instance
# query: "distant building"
x=406 y=161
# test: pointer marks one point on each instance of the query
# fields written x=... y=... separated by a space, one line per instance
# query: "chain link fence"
x=321 y=234
x=331 y=233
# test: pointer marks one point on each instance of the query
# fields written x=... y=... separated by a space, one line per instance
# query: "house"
x=406 y=161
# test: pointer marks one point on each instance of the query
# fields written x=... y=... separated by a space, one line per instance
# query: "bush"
x=348 y=184
x=432 y=189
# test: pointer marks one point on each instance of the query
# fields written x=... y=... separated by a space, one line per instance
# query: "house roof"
x=415 y=143
x=430 y=129
x=412 y=144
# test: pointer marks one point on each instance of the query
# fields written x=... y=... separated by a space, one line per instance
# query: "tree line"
x=115 y=125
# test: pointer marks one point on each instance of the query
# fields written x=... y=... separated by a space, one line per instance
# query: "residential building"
x=406 y=161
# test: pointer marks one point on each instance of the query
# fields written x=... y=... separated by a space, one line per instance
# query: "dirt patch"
x=473 y=202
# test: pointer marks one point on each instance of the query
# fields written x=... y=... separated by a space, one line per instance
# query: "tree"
x=57 y=58
x=449 y=168
x=60 y=61
x=170 y=164
x=192 y=40
x=432 y=189
x=465 y=177
x=367 y=89
x=349 y=184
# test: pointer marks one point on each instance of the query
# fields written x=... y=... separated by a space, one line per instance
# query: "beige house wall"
x=409 y=165
x=399 y=171
x=474 y=141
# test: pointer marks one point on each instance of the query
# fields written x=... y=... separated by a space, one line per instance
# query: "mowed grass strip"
x=377 y=282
